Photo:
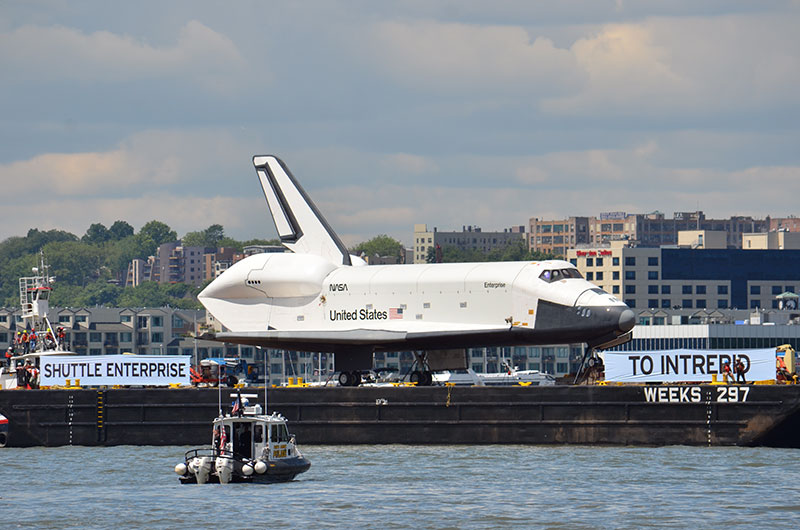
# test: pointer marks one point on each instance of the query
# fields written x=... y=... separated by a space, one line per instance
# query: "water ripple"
x=408 y=487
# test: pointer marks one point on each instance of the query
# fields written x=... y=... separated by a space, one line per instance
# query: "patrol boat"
x=246 y=446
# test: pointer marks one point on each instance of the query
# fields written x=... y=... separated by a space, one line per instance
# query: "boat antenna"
x=266 y=378
x=219 y=387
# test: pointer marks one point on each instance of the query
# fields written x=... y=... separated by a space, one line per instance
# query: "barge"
x=648 y=415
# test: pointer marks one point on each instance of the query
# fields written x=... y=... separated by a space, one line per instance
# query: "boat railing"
x=201 y=452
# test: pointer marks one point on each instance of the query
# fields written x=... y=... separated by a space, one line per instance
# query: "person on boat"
x=22 y=376
x=26 y=343
x=9 y=354
x=726 y=372
x=782 y=373
x=33 y=375
x=49 y=340
x=62 y=335
x=217 y=439
x=18 y=342
x=739 y=367
x=33 y=339
x=243 y=443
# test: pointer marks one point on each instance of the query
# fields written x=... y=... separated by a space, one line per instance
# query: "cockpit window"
x=554 y=275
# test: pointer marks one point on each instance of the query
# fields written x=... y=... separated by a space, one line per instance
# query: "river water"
x=399 y=486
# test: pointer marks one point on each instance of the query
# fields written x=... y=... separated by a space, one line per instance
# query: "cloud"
x=59 y=54
x=470 y=58
x=404 y=163
x=625 y=68
x=651 y=67
x=150 y=160
x=698 y=65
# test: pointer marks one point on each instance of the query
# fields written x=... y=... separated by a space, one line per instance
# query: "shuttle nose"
x=626 y=321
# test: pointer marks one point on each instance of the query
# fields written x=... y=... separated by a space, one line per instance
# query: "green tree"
x=214 y=234
x=97 y=293
x=96 y=234
x=159 y=232
x=516 y=250
x=381 y=245
x=37 y=239
x=120 y=230
x=118 y=255
x=145 y=245
x=194 y=239
x=74 y=262
x=211 y=237
x=12 y=270
x=147 y=294
x=249 y=242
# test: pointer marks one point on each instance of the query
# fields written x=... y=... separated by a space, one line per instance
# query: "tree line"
x=91 y=270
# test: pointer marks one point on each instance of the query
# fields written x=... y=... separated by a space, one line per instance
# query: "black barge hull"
x=713 y=415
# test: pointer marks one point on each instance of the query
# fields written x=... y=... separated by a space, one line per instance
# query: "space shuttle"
x=319 y=298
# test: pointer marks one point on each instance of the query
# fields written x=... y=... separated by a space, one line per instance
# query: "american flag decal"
x=395 y=313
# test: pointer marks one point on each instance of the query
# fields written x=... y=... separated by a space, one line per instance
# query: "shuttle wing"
x=300 y=225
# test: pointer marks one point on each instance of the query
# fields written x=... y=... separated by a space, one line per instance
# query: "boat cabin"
x=253 y=435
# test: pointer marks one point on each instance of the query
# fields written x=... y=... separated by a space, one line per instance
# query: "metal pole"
x=196 y=360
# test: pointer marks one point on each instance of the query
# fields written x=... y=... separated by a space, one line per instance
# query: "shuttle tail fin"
x=300 y=225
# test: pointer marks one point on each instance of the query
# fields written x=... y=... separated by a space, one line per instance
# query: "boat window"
x=280 y=433
x=258 y=433
x=243 y=441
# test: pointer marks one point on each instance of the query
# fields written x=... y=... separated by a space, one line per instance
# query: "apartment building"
x=557 y=236
x=469 y=238
x=646 y=230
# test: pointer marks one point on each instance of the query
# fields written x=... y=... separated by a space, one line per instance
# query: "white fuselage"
x=299 y=292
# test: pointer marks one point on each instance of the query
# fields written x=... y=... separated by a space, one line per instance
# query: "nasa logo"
x=337 y=287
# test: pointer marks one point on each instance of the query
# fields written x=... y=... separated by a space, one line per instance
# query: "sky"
x=448 y=113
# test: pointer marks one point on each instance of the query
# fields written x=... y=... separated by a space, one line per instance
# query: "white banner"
x=151 y=370
x=686 y=365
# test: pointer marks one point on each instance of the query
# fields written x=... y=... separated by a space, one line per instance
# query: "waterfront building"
x=773 y=240
x=175 y=263
x=690 y=278
x=470 y=238
x=557 y=236
x=215 y=263
x=787 y=224
x=139 y=270
x=646 y=230
x=110 y=331
x=704 y=329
